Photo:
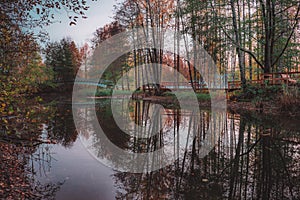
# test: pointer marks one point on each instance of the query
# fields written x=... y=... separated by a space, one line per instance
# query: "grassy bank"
x=278 y=100
x=281 y=99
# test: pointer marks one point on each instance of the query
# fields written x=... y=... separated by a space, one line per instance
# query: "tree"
x=19 y=21
x=275 y=37
x=18 y=46
x=263 y=32
x=237 y=40
x=107 y=31
x=15 y=47
x=85 y=54
x=33 y=13
x=152 y=16
x=115 y=70
x=272 y=15
x=21 y=68
x=64 y=58
x=35 y=76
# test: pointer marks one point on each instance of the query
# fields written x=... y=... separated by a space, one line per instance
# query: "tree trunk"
x=241 y=58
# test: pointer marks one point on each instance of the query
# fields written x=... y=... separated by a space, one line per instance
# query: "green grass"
x=188 y=95
x=185 y=95
x=258 y=93
x=103 y=92
x=204 y=97
x=109 y=92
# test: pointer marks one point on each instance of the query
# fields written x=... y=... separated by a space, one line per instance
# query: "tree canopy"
x=245 y=38
x=64 y=58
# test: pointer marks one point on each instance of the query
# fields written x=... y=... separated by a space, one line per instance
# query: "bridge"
x=287 y=78
x=277 y=78
x=93 y=82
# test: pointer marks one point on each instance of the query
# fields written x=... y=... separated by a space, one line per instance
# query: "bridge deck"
x=288 y=78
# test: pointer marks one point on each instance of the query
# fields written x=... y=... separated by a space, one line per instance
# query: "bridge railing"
x=280 y=78
x=183 y=85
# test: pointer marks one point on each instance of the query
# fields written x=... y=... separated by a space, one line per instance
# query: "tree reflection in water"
x=59 y=129
x=61 y=126
x=21 y=162
x=252 y=159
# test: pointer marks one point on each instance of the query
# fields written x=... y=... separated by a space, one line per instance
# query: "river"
x=248 y=156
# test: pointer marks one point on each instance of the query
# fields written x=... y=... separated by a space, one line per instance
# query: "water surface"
x=254 y=157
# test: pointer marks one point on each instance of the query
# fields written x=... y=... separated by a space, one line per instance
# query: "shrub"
x=103 y=92
x=204 y=97
x=187 y=95
x=168 y=94
x=289 y=100
x=258 y=93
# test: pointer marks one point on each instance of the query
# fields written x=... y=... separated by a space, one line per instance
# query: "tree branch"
x=237 y=45
x=290 y=36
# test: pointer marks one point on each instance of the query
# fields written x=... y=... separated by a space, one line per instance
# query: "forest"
x=245 y=53
x=250 y=42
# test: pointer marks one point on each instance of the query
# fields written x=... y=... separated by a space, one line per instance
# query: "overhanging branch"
x=290 y=36
x=237 y=45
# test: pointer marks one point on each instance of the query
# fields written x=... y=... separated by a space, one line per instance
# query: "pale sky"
x=99 y=14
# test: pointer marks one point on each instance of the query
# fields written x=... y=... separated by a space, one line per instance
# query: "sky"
x=99 y=14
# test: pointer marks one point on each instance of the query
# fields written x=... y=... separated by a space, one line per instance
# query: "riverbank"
x=272 y=103
x=270 y=107
x=16 y=153
x=269 y=100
